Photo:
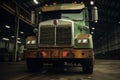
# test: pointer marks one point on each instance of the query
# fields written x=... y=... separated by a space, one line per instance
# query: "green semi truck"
x=63 y=36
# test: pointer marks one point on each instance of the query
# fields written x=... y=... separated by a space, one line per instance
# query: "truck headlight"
x=82 y=40
x=85 y=41
x=28 y=42
x=79 y=40
x=31 y=42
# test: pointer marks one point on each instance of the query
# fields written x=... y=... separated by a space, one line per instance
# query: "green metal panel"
x=84 y=45
x=82 y=27
x=78 y=27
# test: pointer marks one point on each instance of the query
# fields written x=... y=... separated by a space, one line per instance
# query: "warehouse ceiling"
x=109 y=15
x=108 y=9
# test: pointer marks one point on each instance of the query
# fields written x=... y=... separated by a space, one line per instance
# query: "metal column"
x=16 y=34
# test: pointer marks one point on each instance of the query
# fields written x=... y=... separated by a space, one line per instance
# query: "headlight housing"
x=82 y=41
x=31 y=42
x=28 y=42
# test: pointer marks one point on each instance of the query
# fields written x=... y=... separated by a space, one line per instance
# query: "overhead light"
x=22 y=32
x=40 y=12
x=19 y=42
x=119 y=22
x=92 y=2
x=36 y=1
x=6 y=39
x=12 y=36
x=92 y=32
x=7 y=26
x=93 y=28
x=18 y=38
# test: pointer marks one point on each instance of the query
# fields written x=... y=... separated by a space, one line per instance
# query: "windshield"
x=66 y=14
x=72 y=16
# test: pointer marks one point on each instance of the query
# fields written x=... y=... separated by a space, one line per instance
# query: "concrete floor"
x=103 y=70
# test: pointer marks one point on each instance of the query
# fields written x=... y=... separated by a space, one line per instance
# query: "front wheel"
x=59 y=66
x=34 y=65
x=88 y=66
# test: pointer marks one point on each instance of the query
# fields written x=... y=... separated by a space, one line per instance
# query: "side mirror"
x=32 y=17
x=35 y=30
x=94 y=14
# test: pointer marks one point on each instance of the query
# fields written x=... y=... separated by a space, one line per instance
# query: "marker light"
x=22 y=32
x=36 y=1
x=7 y=26
x=92 y=32
x=93 y=28
x=19 y=42
x=64 y=54
x=92 y=2
x=55 y=22
x=43 y=53
x=6 y=39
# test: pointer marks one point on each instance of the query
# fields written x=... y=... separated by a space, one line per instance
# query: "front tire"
x=59 y=66
x=88 y=66
x=34 y=65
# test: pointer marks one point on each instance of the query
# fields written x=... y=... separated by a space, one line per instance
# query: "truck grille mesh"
x=63 y=35
x=47 y=35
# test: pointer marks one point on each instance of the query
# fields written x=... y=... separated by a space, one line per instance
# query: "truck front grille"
x=63 y=35
x=47 y=35
x=56 y=36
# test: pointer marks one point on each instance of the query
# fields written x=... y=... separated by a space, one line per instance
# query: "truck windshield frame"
x=60 y=14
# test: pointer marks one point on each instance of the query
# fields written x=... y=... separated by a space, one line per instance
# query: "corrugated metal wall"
x=109 y=45
x=7 y=50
